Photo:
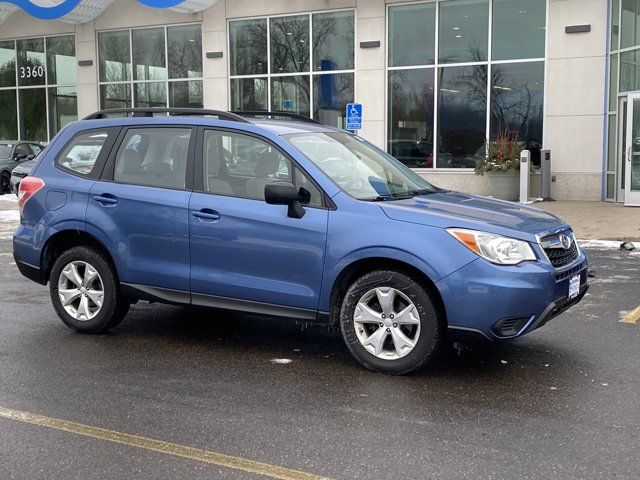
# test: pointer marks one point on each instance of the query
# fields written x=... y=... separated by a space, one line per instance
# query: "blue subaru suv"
x=278 y=215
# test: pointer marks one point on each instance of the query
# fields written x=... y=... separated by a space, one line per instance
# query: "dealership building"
x=441 y=82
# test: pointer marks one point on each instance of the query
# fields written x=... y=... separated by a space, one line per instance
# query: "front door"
x=245 y=253
x=632 y=158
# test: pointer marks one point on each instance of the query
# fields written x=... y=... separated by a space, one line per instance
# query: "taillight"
x=28 y=187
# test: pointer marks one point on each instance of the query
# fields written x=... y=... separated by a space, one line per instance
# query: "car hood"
x=25 y=167
x=454 y=209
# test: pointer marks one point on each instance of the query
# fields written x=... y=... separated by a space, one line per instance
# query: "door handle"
x=206 y=215
x=629 y=152
x=105 y=199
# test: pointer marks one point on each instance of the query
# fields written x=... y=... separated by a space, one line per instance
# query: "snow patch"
x=8 y=198
x=9 y=216
x=281 y=361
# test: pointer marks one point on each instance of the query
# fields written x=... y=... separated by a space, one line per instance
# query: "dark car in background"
x=22 y=170
x=12 y=153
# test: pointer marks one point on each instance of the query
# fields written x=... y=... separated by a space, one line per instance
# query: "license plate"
x=574 y=287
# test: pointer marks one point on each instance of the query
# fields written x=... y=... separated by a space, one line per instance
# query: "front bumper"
x=502 y=302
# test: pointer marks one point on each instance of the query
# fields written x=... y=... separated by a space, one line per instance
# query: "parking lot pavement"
x=559 y=403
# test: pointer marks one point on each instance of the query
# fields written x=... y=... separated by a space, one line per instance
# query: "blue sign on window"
x=354 y=116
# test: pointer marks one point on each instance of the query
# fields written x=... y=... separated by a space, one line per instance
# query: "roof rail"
x=148 y=112
x=272 y=114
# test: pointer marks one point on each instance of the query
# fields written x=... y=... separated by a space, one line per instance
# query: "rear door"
x=139 y=208
x=241 y=247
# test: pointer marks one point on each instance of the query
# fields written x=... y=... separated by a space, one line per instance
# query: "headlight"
x=496 y=249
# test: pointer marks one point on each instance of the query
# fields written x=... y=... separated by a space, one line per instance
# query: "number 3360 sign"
x=28 y=72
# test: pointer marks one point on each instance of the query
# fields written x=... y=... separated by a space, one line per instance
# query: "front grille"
x=553 y=246
x=560 y=257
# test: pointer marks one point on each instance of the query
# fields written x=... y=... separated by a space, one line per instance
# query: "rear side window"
x=81 y=154
x=154 y=157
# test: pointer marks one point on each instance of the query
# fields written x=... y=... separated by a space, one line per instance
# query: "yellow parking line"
x=222 y=460
x=632 y=317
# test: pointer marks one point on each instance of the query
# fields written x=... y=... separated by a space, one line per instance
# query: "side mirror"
x=31 y=157
x=285 y=193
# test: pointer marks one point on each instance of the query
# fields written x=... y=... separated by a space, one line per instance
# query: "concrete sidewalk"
x=597 y=220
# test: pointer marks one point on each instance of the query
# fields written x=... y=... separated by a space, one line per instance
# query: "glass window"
x=517 y=99
x=248 y=47
x=359 y=169
x=315 y=195
x=22 y=151
x=331 y=93
x=150 y=94
x=33 y=114
x=8 y=115
x=290 y=94
x=240 y=165
x=184 y=46
x=615 y=24
x=333 y=40
x=155 y=157
x=462 y=116
x=249 y=94
x=518 y=29
x=61 y=60
x=290 y=44
x=114 y=56
x=63 y=107
x=613 y=83
x=116 y=95
x=7 y=64
x=148 y=54
x=186 y=94
x=36 y=148
x=81 y=154
x=630 y=18
x=31 y=62
x=630 y=71
x=411 y=116
x=611 y=147
x=464 y=31
x=412 y=34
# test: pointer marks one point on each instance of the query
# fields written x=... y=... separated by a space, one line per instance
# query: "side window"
x=155 y=157
x=81 y=153
x=36 y=149
x=315 y=197
x=22 y=151
x=241 y=165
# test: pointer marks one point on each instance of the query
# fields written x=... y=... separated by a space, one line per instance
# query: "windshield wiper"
x=425 y=191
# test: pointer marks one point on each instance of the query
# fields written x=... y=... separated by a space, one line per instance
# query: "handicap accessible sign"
x=354 y=116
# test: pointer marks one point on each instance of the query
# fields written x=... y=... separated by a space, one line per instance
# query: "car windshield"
x=357 y=167
x=5 y=151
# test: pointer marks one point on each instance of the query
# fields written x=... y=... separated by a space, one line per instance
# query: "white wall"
x=574 y=104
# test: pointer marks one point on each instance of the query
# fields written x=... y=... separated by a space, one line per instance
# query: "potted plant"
x=501 y=165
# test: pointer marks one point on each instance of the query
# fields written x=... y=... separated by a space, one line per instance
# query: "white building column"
x=214 y=39
x=87 y=76
x=574 y=101
x=370 y=69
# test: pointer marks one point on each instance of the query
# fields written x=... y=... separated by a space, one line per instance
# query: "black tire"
x=114 y=307
x=431 y=325
x=5 y=183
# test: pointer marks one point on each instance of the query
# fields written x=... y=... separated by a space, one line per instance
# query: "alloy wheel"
x=387 y=323
x=81 y=290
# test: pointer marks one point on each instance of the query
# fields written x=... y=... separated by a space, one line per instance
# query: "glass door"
x=632 y=158
x=621 y=157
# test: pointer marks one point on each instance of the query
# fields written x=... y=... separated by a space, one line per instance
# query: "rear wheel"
x=389 y=322
x=84 y=291
x=5 y=183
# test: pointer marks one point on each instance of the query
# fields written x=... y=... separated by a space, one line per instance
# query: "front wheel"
x=389 y=322
x=84 y=291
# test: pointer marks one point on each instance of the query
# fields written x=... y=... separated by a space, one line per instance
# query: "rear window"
x=81 y=154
